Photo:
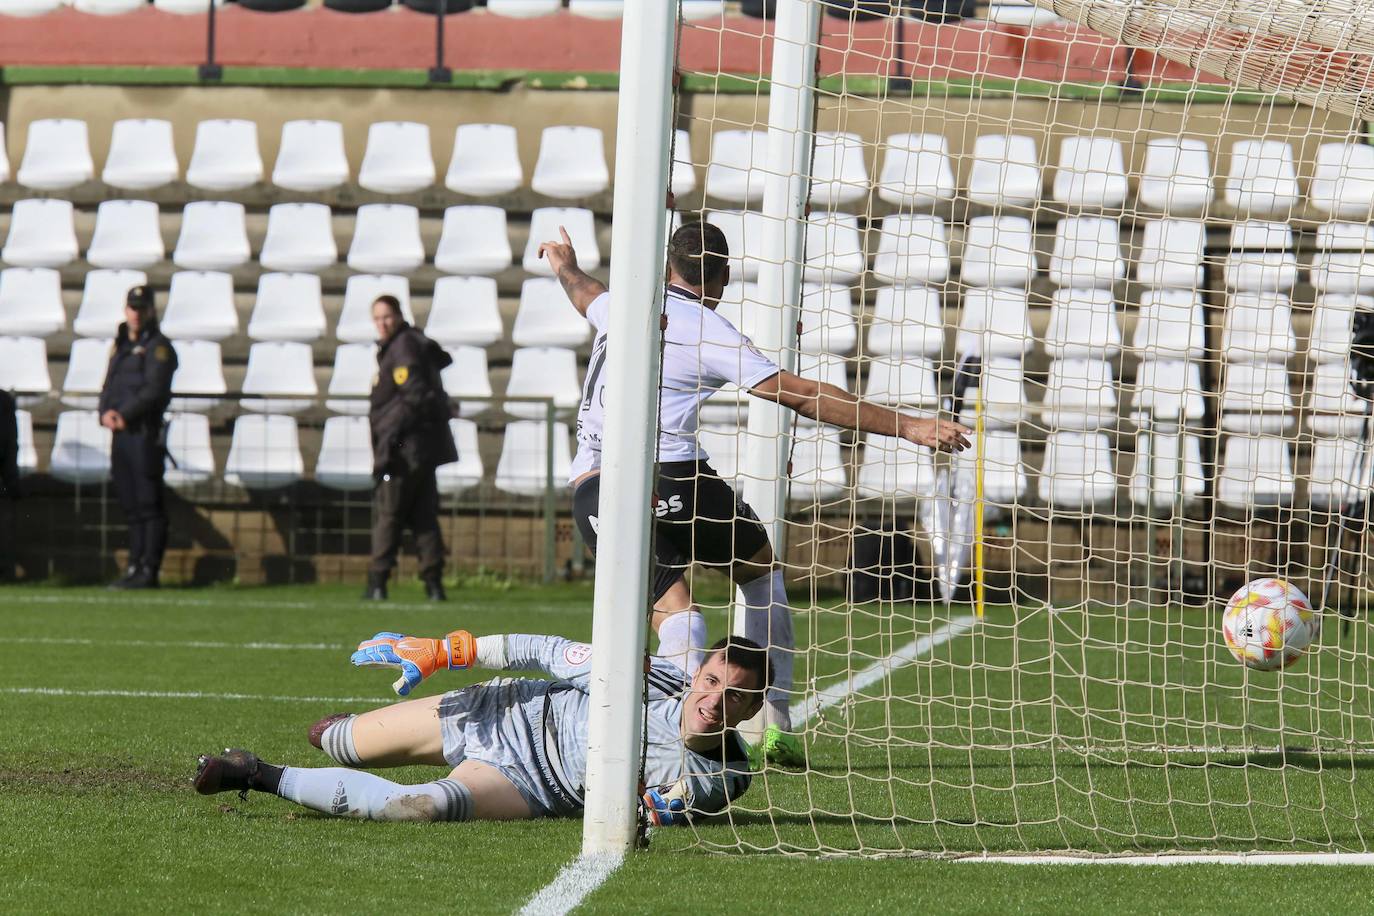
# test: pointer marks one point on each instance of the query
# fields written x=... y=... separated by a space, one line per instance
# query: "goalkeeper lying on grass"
x=518 y=747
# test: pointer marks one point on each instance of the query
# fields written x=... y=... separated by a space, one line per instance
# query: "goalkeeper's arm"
x=418 y=657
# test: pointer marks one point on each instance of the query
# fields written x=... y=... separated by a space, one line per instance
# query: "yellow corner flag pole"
x=978 y=585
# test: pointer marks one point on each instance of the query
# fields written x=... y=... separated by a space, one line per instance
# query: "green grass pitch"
x=105 y=701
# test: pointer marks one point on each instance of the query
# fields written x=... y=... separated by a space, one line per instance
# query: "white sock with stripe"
x=351 y=793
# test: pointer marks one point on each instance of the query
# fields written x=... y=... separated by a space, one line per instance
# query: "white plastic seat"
x=1002 y=392
x=683 y=177
x=1171 y=253
x=127 y=234
x=1261 y=259
x=1083 y=325
x=198 y=384
x=345 y=459
x=1080 y=394
x=386 y=240
x=281 y=375
x=744 y=233
x=31 y=302
x=1087 y=253
x=465 y=311
x=27 y=451
x=827 y=319
x=1162 y=474
x=838 y=173
x=912 y=248
x=701 y=10
x=907 y=321
x=42 y=234
x=86 y=366
x=1344 y=259
x=265 y=453
x=738 y=167
x=486 y=160
x=903 y=382
x=300 y=237
x=213 y=236
x=1256 y=471
x=226 y=155
x=998 y=251
x=141 y=155
x=102 y=301
x=466 y=472
x=311 y=156
x=80 y=448
x=834 y=248
x=1170 y=325
x=544 y=226
x=542 y=372
x=817 y=466
x=1333 y=319
x=1004 y=474
x=1169 y=390
x=523 y=9
x=1177 y=177
x=572 y=162
x=547 y=318
x=523 y=466
x=25 y=8
x=916 y=170
x=200 y=306
x=24 y=369
x=1336 y=411
x=1258 y=329
x=360 y=292
x=994 y=323
x=1006 y=171
x=108 y=7
x=288 y=307
x=473 y=241
x=1020 y=13
x=894 y=469
x=350 y=383
x=1334 y=478
x=190 y=459
x=1255 y=398
x=1263 y=180
x=397 y=159
x=1092 y=173
x=466 y=377
x=185 y=7
x=1343 y=180
x=1078 y=472
x=57 y=155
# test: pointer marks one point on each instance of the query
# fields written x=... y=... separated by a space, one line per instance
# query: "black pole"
x=439 y=73
x=210 y=70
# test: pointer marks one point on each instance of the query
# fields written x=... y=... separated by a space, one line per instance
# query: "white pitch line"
x=242 y=599
x=170 y=644
x=1206 y=858
x=379 y=700
x=574 y=883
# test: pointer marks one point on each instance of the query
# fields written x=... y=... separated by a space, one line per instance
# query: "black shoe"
x=145 y=577
x=376 y=588
x=123 y=581
x=232 y=772
x=434 y=590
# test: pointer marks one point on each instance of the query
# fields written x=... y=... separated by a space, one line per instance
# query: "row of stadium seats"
x=692 y=10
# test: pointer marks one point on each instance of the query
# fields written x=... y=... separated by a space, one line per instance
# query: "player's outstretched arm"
x=581 y=288
x=415 y=656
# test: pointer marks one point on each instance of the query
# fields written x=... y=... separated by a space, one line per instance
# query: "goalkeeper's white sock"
x=337 y=742
x=682 y=639
x=350 y=793
x=768 y=622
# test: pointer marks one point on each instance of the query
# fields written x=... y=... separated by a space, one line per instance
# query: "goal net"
x=1128 y=242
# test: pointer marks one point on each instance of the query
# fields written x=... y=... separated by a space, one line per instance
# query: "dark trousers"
x=407 y=500
x=136 y=461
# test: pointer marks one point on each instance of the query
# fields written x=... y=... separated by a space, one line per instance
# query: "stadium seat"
x=282 y=375
x=31 y=302
x=24 y=369
x=1261 y=259
x=1344 y=259
x=700 y=10
x=311 y=156
x=464 y=311
x=1177 y=177
x=213 y=236
x=485 y=161
x=542 y=372
x=738 y=167
x=1256 y=471
x=226 y=156
x=1170 y=325
x=4 y=152
x=355 y=320
x=474 y=241
x=994 y=323
x=1160 y=477
x=287 y=307
x=916 y=171
x=25 y=8
x=907 y=321
x=1255 y=399
x=834 y=248
x=544 y=225
x=345 y=459
x=386 y=240
x=27 y=452
x=1258 y=328
x=839 y=175
x=300 y=237
x=998 y=251
x=198 y=385
x=1091 y=174
x=597 y=9
x=1087 y=253
x=1262 y=180
x=466 y=472
x=1003 y=394
x=1171 y=253
x=1343 y=181
x=80 y=448
x=466 y=377
x=42 y=234
x=1078 y=470
x=86 y=365
x=744 y=238
x=817 y=467
x=827 y=319
x=185 y=7
x=1334 y=478
x=354 y=7
x=350 y=384
x=200 y=306
x=102 y=301
x=1169 y=390
x=108 y=7
x=523 y=466
x=141 y=154
x=1021 y=13
x=912 y=248
x=398 y=159
x=265 y=453
x=1004 y=474
x=572 y=162
x=57 y=155
x=1006 y=172
x=683 y=179
x=905 y=382
x=1083 y=325
x=546 y=317
x=190 y=459
x=127 y=234
x=894 y=469
x=523 y=9
x=1333 y=318
x=1080 y=394
x=1335 y=410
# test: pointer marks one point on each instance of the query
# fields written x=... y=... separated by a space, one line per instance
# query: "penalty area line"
x=171 y=644
x=183 y=695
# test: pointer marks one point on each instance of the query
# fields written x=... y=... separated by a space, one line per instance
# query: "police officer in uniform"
x=138 y=388
x=410 y=438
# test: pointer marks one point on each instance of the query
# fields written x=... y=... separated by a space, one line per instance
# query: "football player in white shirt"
x=699 y=518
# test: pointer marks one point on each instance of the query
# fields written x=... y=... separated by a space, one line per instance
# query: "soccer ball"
x=1268 y=624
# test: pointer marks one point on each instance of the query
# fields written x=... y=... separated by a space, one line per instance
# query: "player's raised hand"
x=559 y=254
x=415 y=656
x=941 y=435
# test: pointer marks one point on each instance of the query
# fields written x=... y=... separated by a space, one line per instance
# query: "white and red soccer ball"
x=1268 y=624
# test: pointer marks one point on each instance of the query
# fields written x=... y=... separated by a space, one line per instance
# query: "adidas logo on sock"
x=340 y=803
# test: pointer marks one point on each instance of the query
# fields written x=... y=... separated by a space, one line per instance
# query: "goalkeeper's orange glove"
x=416 y=656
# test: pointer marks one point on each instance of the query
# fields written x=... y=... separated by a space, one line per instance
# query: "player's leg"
x=405 y=734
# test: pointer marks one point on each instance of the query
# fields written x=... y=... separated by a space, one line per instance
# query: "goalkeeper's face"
x=722 y=696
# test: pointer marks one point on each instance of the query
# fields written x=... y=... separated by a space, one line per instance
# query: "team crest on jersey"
x=577 y=653
x=400 y=374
